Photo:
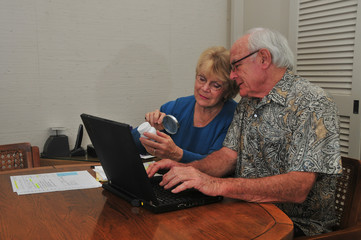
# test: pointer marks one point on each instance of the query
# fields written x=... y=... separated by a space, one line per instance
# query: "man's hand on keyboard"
x=161 y=167
x=181 y=178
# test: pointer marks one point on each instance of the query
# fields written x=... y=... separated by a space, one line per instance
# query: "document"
x=51 y=182
x=101 y=177
x=100 y=174
x=146 y=164
x=146 y=156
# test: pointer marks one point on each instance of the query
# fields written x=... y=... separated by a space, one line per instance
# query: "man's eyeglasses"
x=233 y=64
x=214 y=86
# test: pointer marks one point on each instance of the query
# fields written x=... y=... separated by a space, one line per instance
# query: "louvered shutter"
x=325 y=49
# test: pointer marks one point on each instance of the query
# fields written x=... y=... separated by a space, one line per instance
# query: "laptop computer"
x=127 y=177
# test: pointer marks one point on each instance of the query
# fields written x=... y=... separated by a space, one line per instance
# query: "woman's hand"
x=162 y=146
x=155 y=119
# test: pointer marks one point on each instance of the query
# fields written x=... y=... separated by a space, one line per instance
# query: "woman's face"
x=208 y=90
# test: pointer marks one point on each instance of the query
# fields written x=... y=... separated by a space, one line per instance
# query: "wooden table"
x=67 y=160
x=98 y=214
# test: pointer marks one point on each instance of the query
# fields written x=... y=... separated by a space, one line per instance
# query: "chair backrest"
x=19 y=155
x=348 y=193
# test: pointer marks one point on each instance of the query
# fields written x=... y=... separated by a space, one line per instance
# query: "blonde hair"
x=216 y=60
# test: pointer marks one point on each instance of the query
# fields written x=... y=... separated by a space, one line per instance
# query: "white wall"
x=247 y=14
x=116 y=58
x=272 y=14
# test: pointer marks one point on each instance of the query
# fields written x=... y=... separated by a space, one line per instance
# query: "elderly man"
x=282 y=145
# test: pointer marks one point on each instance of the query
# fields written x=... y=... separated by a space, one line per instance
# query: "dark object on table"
x=91 y=151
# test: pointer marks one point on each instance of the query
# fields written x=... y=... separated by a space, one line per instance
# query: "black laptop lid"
x=119 y=157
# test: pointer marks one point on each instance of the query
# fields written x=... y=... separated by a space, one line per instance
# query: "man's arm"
x=289 y=187
x=205 y=175
x=218 y=163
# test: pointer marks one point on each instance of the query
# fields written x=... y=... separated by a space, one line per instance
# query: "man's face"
x=246 y=72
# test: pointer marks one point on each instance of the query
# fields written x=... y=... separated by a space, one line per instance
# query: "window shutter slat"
x=325 y=50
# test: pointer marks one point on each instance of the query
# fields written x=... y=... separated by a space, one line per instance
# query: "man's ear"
x=266 y=57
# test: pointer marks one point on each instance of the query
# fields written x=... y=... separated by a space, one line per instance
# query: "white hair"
x=275 y=42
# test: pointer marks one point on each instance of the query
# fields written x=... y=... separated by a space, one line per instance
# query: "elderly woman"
x=203 y=118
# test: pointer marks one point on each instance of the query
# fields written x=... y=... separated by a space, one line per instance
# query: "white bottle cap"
x=146 y=127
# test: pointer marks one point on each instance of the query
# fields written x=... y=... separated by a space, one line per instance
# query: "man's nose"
x=232 y=75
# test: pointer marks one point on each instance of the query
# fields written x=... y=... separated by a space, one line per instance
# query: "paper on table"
x=146 y=156
x=146 y=164
x=102 y=177
x=51 y=182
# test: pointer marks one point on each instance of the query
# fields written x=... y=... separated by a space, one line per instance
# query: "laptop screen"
x=119 y=156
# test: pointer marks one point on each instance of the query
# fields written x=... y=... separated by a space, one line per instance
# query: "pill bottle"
x=146 y=127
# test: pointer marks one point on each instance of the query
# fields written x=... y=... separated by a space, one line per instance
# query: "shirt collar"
x=280 y=91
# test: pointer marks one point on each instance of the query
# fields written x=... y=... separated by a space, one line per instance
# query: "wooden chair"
x=19 y=155
x=348 y=203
